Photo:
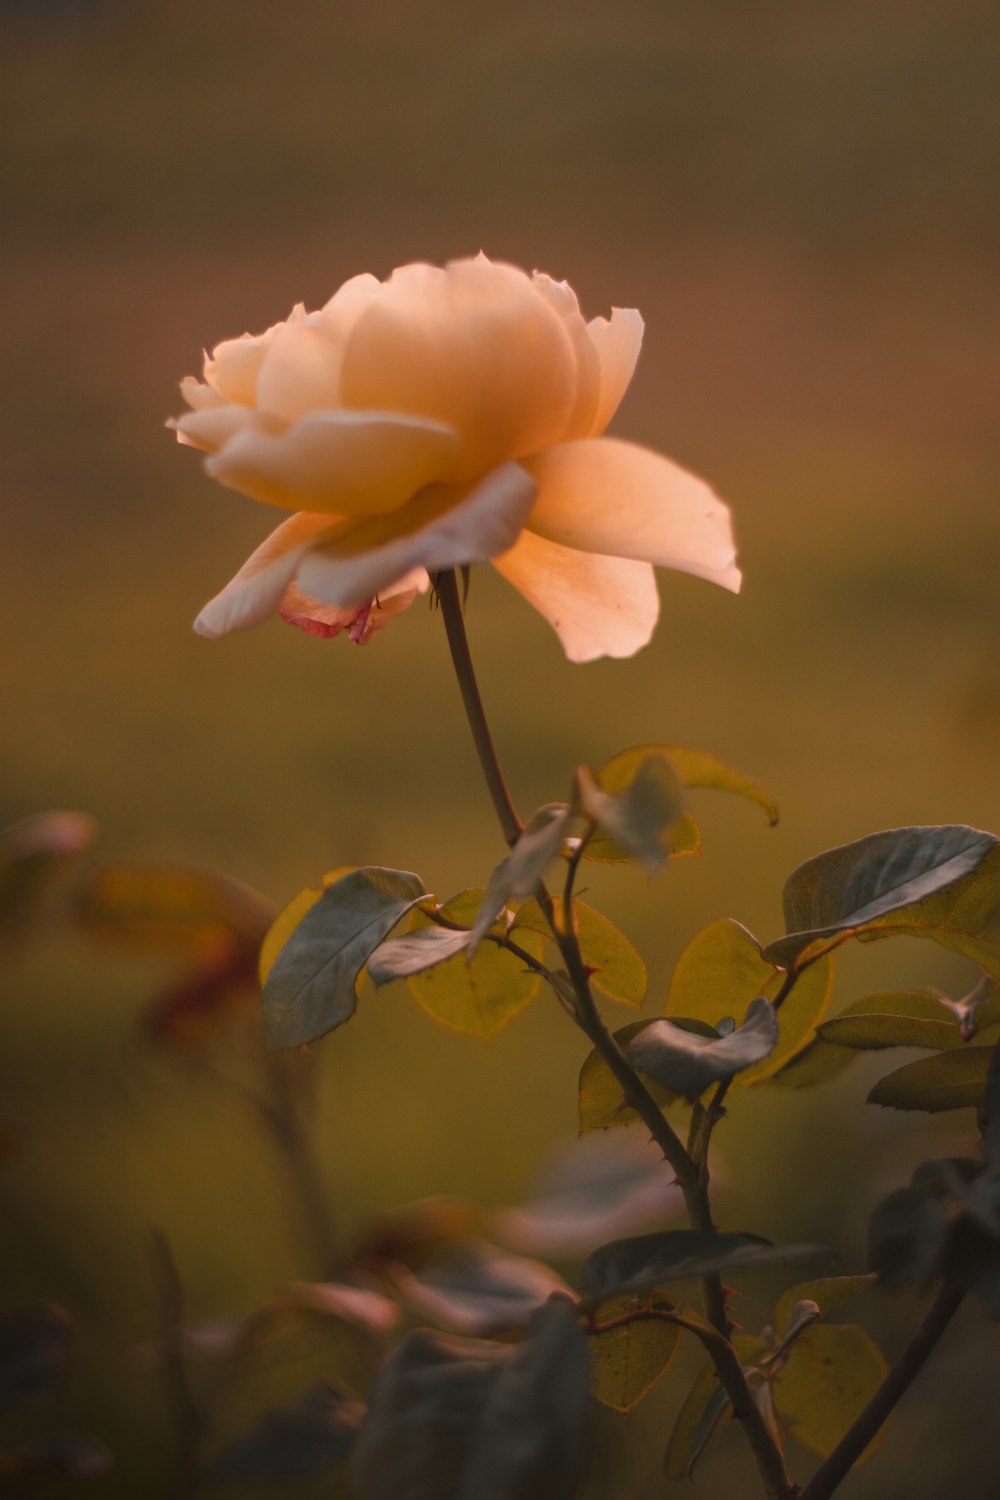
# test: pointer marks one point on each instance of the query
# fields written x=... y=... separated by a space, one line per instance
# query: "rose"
x=441 y=418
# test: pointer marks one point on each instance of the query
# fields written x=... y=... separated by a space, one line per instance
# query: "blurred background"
x=801 y=200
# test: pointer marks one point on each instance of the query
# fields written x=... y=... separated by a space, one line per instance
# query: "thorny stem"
x=909 y=1364
x=768 y=1456
x=184 y=1411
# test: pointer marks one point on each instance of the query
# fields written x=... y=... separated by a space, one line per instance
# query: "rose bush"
x=444 y=417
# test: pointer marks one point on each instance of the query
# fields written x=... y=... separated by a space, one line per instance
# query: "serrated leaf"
x=872 y=1032
x=721 y=971
x=701 y=1411
x=415 y=953
x=829 y=1293
x=311 y=986
x=618 y=969
x=694 y=768
x=600 y=1100
x=480 y=996
x=628 y=1361
x=948 y=1080
x=646 y=1261
x=476 y=1288
x=595 y=1186
x=828 y=1379
x=518 y=874
x=684 y=839
x=858 y=887
x=293 y=1443
x=688 y=1064
x=640 y=817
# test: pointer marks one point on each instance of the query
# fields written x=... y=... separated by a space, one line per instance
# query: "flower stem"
x=909 y=1364
x=446 y=586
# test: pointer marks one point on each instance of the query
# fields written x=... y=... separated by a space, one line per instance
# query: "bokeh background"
x=802 y=201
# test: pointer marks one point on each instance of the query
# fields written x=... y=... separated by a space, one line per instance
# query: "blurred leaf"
x=870 y=1033
x=688 y=1064
x=650 y=1260
x=425 y=1406
x=906 y=1236
x=601 y=1102
x=854 y=889
x=694 y=768
x=684 y=839
x=296 y=1442
x=530 y=1440
x=949 y=1080
x=519 y=873
x=829 y=1293
x=415 y=953
x=701 y=1411
x=595 y=1187
x=617 y=967
x=34 y=855
x=475 y=1288
x=311 y=986
x=641 y=815
x=35 y=1345
x=413 y=1235
x=829 y=1377
x=481 y=996
x=174 y=908
x=628 y=1361
x=721 y=972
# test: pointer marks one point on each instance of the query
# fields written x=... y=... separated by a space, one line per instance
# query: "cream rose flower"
x=441 y=418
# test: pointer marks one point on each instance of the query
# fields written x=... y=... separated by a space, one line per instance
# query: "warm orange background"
x=802 y=201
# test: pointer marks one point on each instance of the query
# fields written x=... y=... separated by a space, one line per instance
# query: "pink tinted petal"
x=354 y=462
x=473 y=346
x=562 y=299
x=446 y=526
x=259 y=587
x=603 y=495
x=598 y=606
x=617 y=343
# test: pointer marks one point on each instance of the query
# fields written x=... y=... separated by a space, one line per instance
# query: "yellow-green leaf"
x=627 y=1362
x=619 y=971
x=721 y=971
x=480 y=997
x=830 y=1375
x=695 y=768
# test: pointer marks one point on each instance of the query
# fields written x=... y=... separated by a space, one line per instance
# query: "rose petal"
x=259 y=587
x=598 y=606
x=353 y=462
x=446 y=526
x=603 y=495
x=617 y=342
x=472 y=345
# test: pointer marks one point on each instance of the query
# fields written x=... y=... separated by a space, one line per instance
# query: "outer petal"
x=259 y=587
x=474 y=346
x=617 y=343
x=353 y=462
x=603 y=495
x=446 y=526
x=598 y=606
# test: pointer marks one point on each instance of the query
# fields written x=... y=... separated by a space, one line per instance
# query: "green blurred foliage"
x=799 y=201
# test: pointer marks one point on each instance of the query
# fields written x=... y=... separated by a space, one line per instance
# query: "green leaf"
x=415 y=952
x=519 y=873
x=481 y=996
x=601 y=1102
x=694 y=768
x=688 y=1064
x=628 y=1361
x=829 y=1293
x=618 y=969
x=646 y=1261
x=872 y=1032
x=949 y=1080
x=701 y=1411
x=641 y=816
x=721 y=971
x=858 y=887
x=828 y=1379
x=296 y=1442
x=311 y=987
x=476 y=1288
